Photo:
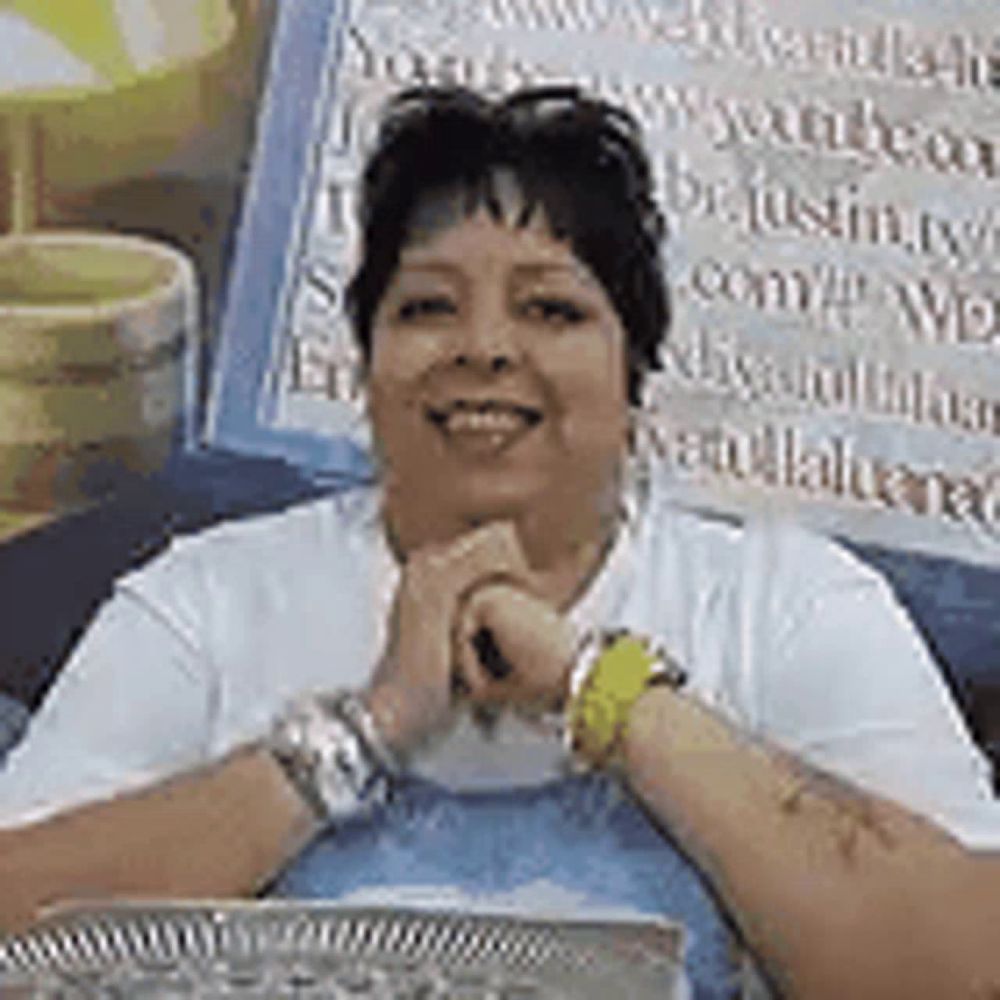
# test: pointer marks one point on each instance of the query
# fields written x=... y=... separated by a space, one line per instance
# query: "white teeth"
x=484 y=421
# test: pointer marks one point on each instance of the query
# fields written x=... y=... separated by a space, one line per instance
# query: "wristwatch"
x=611 y=672
x=330 y=750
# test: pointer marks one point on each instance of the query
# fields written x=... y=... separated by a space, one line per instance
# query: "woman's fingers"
x=455 y=568
x=418 y=667
x=512 y=647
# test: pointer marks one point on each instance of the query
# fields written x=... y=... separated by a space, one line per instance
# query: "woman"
x=508 y=306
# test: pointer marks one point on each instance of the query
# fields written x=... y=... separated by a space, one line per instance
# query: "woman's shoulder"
x=334 y=528
x=764 y=545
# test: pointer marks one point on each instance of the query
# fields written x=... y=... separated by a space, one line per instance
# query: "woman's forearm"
x=222 y=831
x=839 y=893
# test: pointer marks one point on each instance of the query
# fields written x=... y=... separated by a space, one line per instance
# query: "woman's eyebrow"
x=534 y=271
x=523 y=272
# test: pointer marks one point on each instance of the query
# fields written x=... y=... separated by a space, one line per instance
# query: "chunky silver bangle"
x=349 y=707
x=327 y=761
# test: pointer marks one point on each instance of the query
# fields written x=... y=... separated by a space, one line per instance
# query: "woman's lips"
x=483 y=427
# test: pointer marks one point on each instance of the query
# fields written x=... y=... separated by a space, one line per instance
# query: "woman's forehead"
x=480 y=252
x=487 y=247
x=456 y=228
x=500 y=194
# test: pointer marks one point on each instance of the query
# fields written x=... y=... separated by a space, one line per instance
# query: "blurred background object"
x=98 y=90
x=98 y=338
x=134 y=116
x=187 y=190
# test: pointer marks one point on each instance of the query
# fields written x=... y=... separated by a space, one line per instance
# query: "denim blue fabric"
x=583 y=834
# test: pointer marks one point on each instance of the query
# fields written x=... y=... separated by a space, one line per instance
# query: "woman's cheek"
x=591 y=381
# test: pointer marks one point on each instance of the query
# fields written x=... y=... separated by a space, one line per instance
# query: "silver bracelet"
x=327 y=760
x=349 y=707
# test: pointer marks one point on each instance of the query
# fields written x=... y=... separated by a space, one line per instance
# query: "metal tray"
x=276 y=950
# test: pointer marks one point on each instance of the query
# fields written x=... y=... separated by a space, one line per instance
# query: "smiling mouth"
x=486 y=426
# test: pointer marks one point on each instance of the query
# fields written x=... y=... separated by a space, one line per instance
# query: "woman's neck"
x=564 y=549
x=565 y=584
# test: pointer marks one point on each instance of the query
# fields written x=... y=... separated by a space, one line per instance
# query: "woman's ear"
x=352 y=383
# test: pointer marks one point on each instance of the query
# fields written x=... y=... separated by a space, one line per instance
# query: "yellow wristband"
x=623 y=669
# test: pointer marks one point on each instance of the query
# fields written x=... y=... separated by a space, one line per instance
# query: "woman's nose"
x=487 y=343
x=496 y=362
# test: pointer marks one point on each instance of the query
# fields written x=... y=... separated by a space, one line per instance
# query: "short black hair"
x=580 y=159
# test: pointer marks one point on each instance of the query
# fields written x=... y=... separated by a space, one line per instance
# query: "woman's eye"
x=554 y=311
x=425 y=307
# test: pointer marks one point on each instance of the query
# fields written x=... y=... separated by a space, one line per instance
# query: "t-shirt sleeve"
x=131 y=706
x=850 y=686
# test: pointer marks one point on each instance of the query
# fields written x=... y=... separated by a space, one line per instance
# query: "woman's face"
x=498 y=377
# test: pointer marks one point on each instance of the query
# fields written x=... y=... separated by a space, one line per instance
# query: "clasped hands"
x=447 y=596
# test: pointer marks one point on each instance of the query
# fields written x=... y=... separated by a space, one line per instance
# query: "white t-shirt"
x=784 y=632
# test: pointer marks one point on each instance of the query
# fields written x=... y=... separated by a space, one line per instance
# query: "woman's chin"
x=507 y=502
x=434 y=505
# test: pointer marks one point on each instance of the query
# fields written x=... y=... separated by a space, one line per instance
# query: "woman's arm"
x=841 y=893
x=133 y=705
x=225 y=829
x=217 y=832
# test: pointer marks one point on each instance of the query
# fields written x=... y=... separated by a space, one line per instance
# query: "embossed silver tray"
x=276 y=950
